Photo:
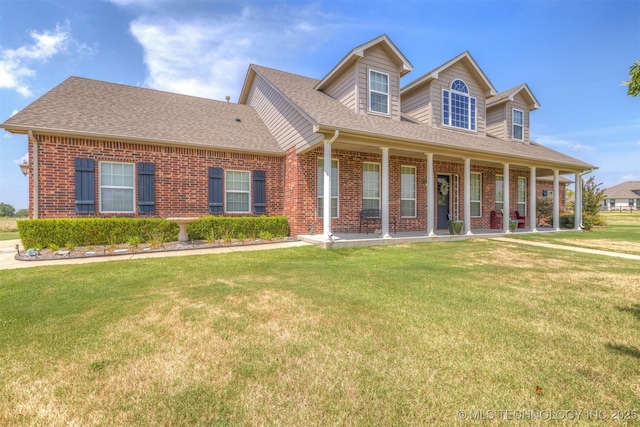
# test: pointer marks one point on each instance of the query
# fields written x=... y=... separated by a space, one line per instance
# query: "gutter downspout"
x=34 y=175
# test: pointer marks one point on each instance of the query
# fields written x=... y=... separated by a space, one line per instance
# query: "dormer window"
x=518 y=125
x=378 y=92
x=458 y=108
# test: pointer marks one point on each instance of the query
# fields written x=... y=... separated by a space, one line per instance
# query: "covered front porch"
x=443 y=185
x=353 y=240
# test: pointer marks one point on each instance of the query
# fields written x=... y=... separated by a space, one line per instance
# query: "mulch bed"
x=124 y=249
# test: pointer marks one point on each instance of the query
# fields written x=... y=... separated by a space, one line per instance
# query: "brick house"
x=446 y=145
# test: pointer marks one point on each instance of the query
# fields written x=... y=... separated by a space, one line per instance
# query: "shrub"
x=71 y=232
x=210 y=227
x=92 y=231
x=567 y=221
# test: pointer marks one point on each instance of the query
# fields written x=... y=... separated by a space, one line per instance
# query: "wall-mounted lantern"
x=24 y=167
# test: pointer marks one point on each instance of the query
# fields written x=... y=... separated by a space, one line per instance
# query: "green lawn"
x=621 y=234
x=8 y=229
x=407 y=335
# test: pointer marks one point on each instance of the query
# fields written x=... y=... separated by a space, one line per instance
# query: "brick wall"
x=181 y=174
x=301 y=203
x=181 y=182
x=543 y=185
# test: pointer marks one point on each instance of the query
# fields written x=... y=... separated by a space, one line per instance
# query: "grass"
x=373 y=336
x=621 y=234
x=8 y=229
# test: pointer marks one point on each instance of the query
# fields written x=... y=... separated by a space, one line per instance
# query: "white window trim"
x=476 y=201
x=321 y=196
x=499 y=201
x=468 y=95
x=522 y=212
x=370 y=91
x=514 y=124
x=133 y=211
x=415 y=192
x=248 y=211
x=379 y=184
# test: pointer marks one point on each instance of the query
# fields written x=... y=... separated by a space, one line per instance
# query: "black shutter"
x=259 y=192
x=85 y=189
x=215 y=190
x=146 y=188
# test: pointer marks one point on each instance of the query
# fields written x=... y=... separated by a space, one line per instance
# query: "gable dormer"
x=508 y=114
x=367 y=80
x=451 y=96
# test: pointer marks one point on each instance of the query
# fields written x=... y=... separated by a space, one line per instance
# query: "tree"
x=22 y=213
x=592 y=197
x=6 y=209
x=544 y=209
x=634 y=83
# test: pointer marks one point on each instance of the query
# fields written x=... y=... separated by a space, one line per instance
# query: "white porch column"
x=430 y=197
x=578 y=203
x=467 y=196
x=506 y=205
x=385 y=193
x=533 y=215
x=556 y=199
x=326 y=217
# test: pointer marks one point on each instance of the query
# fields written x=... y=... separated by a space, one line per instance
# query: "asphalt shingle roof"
x=331 y=113
x=625 y=190
x=99 y=109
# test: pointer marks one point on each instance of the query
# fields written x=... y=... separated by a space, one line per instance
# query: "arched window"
x=458 y=108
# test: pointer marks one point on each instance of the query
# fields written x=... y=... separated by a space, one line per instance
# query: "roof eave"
x=462 y=152
x=23 y=130
x=355 y=54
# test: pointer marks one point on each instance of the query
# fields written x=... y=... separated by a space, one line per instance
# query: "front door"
x=442 y=196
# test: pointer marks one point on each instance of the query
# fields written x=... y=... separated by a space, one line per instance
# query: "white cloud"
x=195 y=58
x=209 y=55
x=17 y=65
x=556 y=141
x=22 y=159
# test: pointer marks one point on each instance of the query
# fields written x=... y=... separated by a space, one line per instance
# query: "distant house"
x=625 y=196
x=320 y=151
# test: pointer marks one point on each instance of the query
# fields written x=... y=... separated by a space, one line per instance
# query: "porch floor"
x=351 y=240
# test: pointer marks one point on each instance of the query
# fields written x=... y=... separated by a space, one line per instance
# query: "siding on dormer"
x=287 y=125
x=376 y=59
x=518 y=103
x=458 y=71
x=344 y=88
x=417 y=104
x=500 y=120
x=497 y=121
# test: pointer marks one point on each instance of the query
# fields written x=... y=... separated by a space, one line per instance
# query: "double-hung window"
x=378 y=92
x=117 y=187
x=408 y=191
x=476 y=194
x=371 y=186
x=458 y=107
x=522 y=196
x=499 y=192
x=334 y=188
x=518 y=124
x=237 y=191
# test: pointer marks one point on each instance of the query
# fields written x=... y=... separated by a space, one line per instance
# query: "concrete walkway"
x=8 y=253
x=568 y=248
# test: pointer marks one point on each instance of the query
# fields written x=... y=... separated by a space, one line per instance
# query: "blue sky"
x=572 y=54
